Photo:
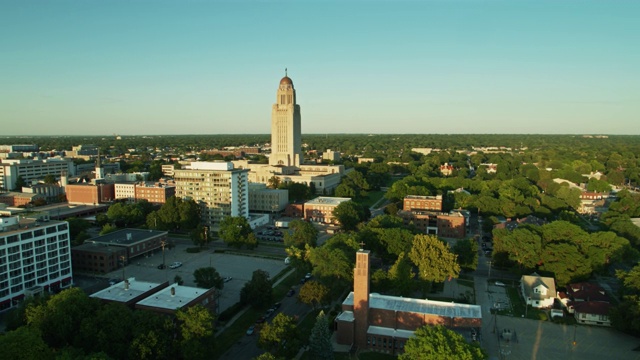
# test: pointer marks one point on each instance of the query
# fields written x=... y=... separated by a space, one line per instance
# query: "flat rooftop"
x=98 y=247
x=118 y=293
x=419 y=306
x=324 y=200
x=164 y=300
x=127 y=236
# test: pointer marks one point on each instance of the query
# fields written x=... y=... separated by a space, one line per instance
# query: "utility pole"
x=122 y=257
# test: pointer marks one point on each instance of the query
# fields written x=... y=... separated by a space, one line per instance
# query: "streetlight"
x=163 y=243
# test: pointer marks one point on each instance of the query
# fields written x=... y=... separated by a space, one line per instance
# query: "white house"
x=538 y=291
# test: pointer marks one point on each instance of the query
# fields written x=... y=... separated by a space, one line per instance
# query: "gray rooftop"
x=127 y=236
x=118 y=293
x=441 y=308
x=164 y=300
x=324 y=200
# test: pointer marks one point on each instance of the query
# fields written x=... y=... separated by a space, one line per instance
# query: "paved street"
x=544 y=340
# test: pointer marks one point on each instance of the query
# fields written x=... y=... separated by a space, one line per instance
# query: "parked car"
x=227 y=279
x=500 y=283
x=261 y=320
x=291 y=292
x=162 y=266
x=175 y=265
x=276 y=306
x=308 y=276
x=251 y=330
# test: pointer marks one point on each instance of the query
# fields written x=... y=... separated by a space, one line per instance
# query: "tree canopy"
x=236 y=232
x=207 y=278
x=439 y=343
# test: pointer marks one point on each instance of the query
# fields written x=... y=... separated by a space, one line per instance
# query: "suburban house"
x=588 y=302
x=538 y=291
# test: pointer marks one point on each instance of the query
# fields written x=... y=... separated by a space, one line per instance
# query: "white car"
x=500 y=283
x=175 y=265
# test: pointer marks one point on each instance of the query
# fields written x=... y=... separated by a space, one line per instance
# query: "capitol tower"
x=286 y=144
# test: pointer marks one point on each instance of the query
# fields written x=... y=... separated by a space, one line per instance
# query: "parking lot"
x=239 y=268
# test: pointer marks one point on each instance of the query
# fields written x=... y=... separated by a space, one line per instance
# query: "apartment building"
x=35 y=257
x=219 y=188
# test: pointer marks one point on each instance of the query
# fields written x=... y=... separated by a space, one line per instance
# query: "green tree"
x=207 y=278
x=433 y=258
x=467 y=252
x=108 y=228
x=280 y=337
x=196 y=332
x=258 y=291
x=274 y=182
x=320 y=345
x=50 y=179
x=60 y=318
x=300 y=234
x=20 y=182
x=24 y=343
x=76 y=227
x=437 y=342
x=234 y=231
x=401 y=276
x=350 y=214
x=313 y=293
x=200 y=236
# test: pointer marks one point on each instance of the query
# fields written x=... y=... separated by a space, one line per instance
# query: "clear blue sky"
x=213 y=67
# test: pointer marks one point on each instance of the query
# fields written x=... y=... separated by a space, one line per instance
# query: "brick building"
x=321 y=209
x=97 y=258
x=136 y=242
x=19 y=199
x=90 y=194
x=155 y=193
x=418 y=202
x=451 y=225
x=384 y=323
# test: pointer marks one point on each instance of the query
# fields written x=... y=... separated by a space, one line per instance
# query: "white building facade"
x=217 y=187
x=35 y=257
x=32 y=170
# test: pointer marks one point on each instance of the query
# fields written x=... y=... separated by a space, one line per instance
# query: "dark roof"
x=127 y=236
x=592 y=307
x=587 y=292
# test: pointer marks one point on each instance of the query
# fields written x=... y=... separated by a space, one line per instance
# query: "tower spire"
x=285 y=72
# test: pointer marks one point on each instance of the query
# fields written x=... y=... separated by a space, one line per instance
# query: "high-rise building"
x=34 y=258
x=286 y=144
x=220 y=190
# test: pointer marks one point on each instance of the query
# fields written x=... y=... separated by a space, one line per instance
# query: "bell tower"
x=286 y=135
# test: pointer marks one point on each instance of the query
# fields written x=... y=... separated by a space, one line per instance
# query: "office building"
x=32 y=170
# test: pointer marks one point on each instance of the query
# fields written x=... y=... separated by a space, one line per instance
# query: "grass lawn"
x=372 y=198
